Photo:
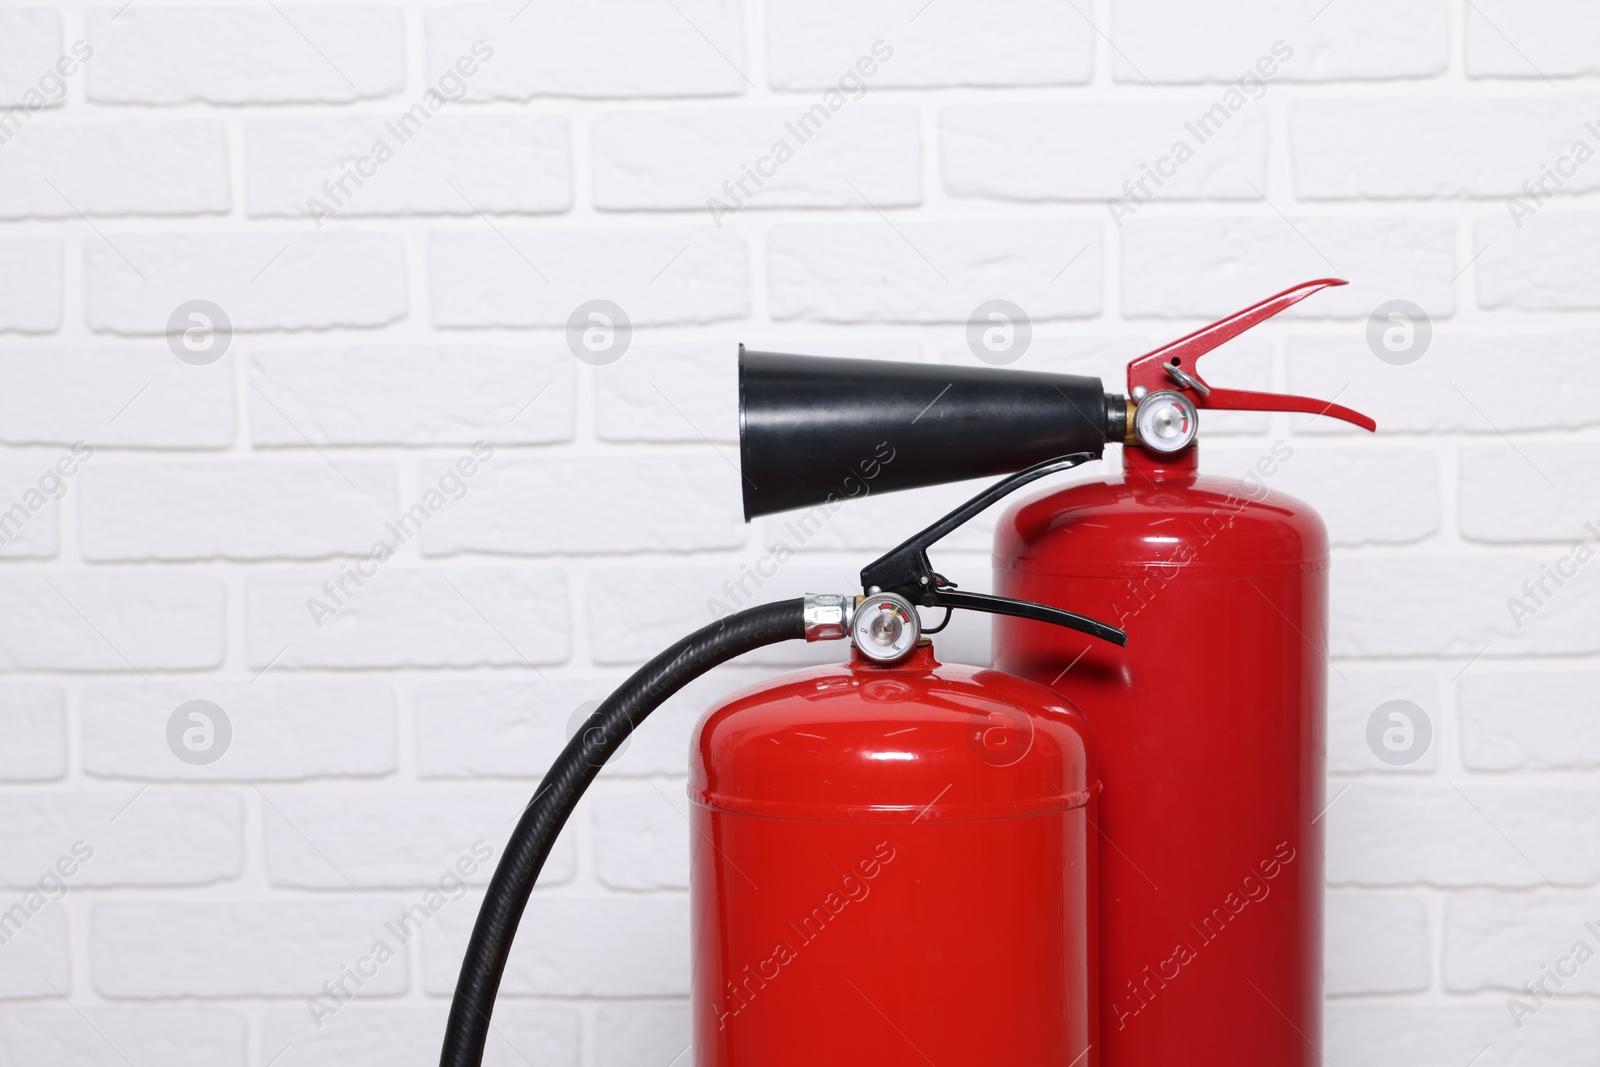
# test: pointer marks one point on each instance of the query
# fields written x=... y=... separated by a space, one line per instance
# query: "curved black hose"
x=568 y=778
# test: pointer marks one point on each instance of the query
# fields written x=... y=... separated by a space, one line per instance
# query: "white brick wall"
x=400 y=205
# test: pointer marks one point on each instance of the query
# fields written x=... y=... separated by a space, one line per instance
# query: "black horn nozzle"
x=814 y=429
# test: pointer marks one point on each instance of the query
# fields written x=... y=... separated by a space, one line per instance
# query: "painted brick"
x=30 y=44
x=1460 y=606
x=495 y=729
x=915 y=271
x=663 y=601
x=788 y=157
x=630 y=1034
x=137 y=397
x=30 y=286
x=97 y=1036
x=1496 y=942
x=35 y=726
x=965 y=42
x=1448 y=388
x=1542 y=39
x=279 y=730
x=641 y=835
x=502 y=729
x=131 y=621
x=412 y=396
x=1472 y=835
x=1437 y=1035
x=632 y=48
x=1376 y=944
x=674 y=503
x=321 y=53
x=1399 y=148
x=258 y=510
x=1208 y=268
x=1355 y=693
x=379 y=1037
x=513 y=276
x=177 y=167
x=1099 y=152
x=123 y=836
x=1223 y=40
x=288 y=281
x=1375 y=495
x=617 y=946
x=1537 y=264
x=498 y=164
x=30 y=507
x=38 y=959
x=409 y=618
x=442 y=838
x=669 y=392
x=232 y=948
x=1525 y=720
x=1530 y=492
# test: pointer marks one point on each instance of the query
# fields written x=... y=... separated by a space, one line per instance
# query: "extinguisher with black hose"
x=900 y=861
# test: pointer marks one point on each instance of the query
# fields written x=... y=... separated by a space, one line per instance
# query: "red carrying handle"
x=1175 y=365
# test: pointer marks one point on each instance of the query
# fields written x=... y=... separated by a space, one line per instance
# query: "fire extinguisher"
x=887 y=847
x=1209 y=722
x=994 y=939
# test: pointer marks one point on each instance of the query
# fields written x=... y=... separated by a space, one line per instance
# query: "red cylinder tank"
x=893 y=865
x=1210 y=732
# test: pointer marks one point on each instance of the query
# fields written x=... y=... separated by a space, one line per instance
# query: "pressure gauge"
x=885 y=627
x=1166 y=421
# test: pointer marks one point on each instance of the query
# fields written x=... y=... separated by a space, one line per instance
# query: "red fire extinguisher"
x=887 y=848
x=1210 y=721
x=895 y=861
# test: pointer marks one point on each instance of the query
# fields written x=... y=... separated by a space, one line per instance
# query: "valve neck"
x=1143 y=464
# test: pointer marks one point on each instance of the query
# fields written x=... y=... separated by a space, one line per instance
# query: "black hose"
x=568 y=778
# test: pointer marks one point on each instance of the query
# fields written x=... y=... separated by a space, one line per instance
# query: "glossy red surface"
x=1209 y=727
x=893 y=866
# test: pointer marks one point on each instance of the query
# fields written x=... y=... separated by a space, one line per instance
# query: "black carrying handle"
x=907 y=571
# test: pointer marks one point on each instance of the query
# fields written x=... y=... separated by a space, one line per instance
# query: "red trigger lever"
x=1175 y=365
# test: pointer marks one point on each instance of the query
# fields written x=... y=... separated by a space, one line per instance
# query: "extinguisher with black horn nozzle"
x=1209 y=723
x=898 y=861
